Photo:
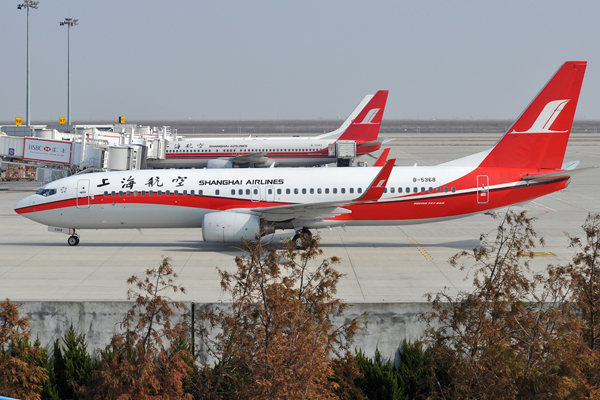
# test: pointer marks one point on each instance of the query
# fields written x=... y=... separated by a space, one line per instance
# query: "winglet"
x=377 y=187
x=382 y=158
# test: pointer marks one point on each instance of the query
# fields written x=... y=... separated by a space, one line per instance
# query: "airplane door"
x=255 y=193
x=83 y=193
x=483 y=192
x=270 y=193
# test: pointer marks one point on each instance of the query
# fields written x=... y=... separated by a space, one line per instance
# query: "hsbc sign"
x=47 y=150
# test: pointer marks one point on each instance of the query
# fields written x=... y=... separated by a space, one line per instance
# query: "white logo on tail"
x=370 y=116
x=547 y=117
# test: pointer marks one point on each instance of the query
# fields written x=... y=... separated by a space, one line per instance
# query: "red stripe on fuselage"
x=419 y=206
x=447 y=206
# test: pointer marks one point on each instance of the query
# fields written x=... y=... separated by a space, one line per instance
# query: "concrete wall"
x=387 y=323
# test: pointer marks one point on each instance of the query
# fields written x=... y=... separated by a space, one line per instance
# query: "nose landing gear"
x=73 y=240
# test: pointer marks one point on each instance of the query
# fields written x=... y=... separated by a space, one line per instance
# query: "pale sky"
x=212 y=60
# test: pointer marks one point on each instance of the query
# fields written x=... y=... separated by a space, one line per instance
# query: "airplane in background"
x=234 y=205
x=361 y=128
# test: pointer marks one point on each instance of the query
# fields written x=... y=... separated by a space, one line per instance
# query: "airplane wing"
x=567 y=173
x=250 y=158
x=227 y=162
x=321 y=210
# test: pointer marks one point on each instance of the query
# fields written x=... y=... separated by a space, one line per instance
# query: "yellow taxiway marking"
x=542 y=254
x=422 y=250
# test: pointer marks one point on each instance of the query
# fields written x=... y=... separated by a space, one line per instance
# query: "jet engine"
x=219 y=163
x=229 y=227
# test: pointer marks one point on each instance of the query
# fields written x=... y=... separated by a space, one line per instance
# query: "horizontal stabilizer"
x=570 y=165
x=556 y=175
x=374 y=143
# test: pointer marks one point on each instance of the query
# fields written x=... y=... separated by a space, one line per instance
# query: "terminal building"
x=46 y=152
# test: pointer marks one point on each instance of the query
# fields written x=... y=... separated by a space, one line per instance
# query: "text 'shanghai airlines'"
x=361 y=128
x=231 y=205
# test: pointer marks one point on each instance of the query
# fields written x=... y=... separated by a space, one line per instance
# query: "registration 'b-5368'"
x=235 y=204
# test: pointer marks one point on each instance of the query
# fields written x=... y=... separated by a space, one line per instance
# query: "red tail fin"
x=365 y=126
x=538 y=139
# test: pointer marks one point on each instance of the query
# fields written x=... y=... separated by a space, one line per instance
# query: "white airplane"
x=232 y=205
x=361 y=127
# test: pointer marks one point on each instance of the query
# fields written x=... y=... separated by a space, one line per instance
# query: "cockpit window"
x=46 y=192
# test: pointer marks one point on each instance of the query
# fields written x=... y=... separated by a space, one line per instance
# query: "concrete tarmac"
x=382 y=264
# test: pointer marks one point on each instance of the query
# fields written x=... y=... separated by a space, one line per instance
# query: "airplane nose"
x=26 y=202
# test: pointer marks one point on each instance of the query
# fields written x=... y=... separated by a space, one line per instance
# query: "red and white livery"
x=231 y=205
x=361 y=127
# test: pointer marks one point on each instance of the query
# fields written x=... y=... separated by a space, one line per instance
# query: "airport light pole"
x=28 y=4
x=69 y=22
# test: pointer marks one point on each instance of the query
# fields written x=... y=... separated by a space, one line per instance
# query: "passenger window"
x=185 y=192
x=453 y=189
x=217 y=192
x=343 y=190
x=287 y=191
x=270 y=191
x=135 y=193
x=385 y=190
x=392 y=190
x=430 y=190
x=248 y=192
x=446 y=189
x=240 y=191
x=407 y=190
x=318 y=190
x=120 y=193
x=422 y=189
x=168 y=193
x=151 y=193
x=192 y=192
x=416 y=190
x=255 y=191
x=334 y=190
x=399 y=190
x=326 y=190
x=303 y=190
x=312 y=191
x=278 y=191
x=351 y=190
x=176 y=192
x=233 y=192
x=359 y=190
x=105 y=194
x=438 y=189
x=143 y=193
x=296 y=191
x=200 y=192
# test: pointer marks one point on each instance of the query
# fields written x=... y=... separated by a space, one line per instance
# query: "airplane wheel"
x=73 y=240
x=297 y=239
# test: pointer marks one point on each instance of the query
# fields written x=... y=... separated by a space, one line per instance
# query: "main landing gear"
x=302 y=237
x=73 y=240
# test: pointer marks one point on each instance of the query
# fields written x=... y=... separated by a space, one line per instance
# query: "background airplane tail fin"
x=538 y=138
x=365 y=127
